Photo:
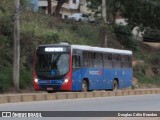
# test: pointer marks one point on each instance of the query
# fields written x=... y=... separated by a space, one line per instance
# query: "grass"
x=6 y=78
x=143 y=79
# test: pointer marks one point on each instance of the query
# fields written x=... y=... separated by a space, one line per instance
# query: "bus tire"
x=115 y=85
x=84 y=86
x=50 y=91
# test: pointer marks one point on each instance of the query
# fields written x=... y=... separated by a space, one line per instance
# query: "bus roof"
x=91 y=48
x=99 y=49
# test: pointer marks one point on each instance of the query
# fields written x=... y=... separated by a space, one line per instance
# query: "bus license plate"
x=49 y=88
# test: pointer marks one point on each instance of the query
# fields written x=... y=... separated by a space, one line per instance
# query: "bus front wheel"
x=84 y=86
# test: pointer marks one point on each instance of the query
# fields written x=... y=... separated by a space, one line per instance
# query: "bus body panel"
x=127 y=77
x=117 y=74
x=55 y=84
x=111 y=75
x=108 y=76
x=76 y=80
x=99 y=79
x=95 y=77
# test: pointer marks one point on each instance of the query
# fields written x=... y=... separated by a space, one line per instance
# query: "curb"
x=14 y=98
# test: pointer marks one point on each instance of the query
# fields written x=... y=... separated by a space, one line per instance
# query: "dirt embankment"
x=149 y=63
x=153 y=45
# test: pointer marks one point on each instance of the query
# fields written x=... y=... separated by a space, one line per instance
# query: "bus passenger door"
x=76 y=73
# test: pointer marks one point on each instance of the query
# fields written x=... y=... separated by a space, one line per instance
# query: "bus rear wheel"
x=115 y=85
x=84 y=86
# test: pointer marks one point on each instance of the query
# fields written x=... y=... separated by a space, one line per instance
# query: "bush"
x=122 y=30
x=86 y=34
x=50 y=37
x=155 y=61
x=151 y=35
x=26 y=77
x=124 y=35
x=139 y=73
x=5 y=78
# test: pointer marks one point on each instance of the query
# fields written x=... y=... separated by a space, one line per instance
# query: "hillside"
x=147 y=66
x=39 y=29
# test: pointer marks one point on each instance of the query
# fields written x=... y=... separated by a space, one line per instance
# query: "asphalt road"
x=121 y=103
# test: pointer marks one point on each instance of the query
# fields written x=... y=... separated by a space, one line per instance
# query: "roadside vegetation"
x=37 y=28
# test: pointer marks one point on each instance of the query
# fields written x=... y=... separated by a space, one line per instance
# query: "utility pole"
x=104 y=16
x=104 y=11
x=16 y=57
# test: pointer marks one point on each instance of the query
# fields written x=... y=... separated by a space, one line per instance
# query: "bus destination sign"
x=54 y=49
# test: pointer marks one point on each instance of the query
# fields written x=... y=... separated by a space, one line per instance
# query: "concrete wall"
x=12 y=98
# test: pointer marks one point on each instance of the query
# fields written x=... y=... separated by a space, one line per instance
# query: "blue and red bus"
x=64 y=67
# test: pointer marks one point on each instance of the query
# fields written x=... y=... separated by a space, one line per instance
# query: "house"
x=69 y=7
x=120 y=20
x=43 y=5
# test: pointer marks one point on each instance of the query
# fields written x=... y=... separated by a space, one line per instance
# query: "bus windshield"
x=53 y=64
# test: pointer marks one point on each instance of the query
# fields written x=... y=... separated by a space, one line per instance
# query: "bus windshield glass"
x=52 y=64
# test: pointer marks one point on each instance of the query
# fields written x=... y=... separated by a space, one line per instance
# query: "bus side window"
x=116 y=61
x=130 y=62
x=88 y=57
x=107 y=57
x=76 y=61
x=98 y=60
x=126 y=61
x=123 y=63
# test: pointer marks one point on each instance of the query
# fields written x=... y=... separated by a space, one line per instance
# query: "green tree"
x=142 y=13
x=113 y=8
x=94 y=5
x=59 y=6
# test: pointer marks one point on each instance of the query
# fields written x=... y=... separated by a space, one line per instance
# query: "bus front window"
x=52 y=64
x=63 y=64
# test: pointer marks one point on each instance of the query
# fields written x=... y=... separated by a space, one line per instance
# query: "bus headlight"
x=35 y=80
x=66 y=79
